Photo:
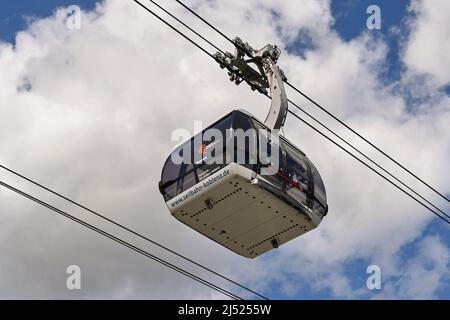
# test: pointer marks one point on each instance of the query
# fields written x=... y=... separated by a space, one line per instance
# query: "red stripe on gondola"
x=290 y=181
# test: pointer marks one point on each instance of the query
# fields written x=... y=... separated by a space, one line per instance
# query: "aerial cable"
x=367 y=157
x=368 y=141
x=187 y=27
x=324 y=109
x=186 y=273
x=130 y=231
x=205 y=21
x=404 y=191
x=378 y=173
x=126 y=228
x=175 y=29
x=368 y=166
x=124 y=243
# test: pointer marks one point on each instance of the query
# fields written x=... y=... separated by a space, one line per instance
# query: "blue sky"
x=13 y=13
x=350 y=21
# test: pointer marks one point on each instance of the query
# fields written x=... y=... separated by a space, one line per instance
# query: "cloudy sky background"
x=90 y=113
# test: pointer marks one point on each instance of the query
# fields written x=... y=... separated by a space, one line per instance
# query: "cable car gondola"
x=250 y=195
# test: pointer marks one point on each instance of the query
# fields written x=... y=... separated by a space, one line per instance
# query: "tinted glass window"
x=171 y=170
x=206 y=170
x=270 y=153
x=319 y=207
x=213 y=142
x=296 y=174
x=244 y=140
x=296 y=168
x=170 y=191
x=187 y=181
x=176 y=178
x=241 y=121
x=224 y=124
x=319 y=187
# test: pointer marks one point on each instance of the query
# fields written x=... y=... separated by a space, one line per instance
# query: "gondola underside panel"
x=244 y=217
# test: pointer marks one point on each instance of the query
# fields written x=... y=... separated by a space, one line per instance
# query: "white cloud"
x=96 y=125
x=421 y=276
x=429 y=41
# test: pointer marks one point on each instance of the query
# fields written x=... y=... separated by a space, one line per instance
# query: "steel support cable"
x=124 y=243
x=97 y=214
x=365 y=164
x=126 y=228
x=175 y=29
x=205 y=21
x=368 y=158
x=290 y=111
x=324 y=110
x=368 y=142
x=186 y=26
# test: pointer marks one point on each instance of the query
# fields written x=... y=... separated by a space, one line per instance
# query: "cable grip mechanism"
x=259 y=69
